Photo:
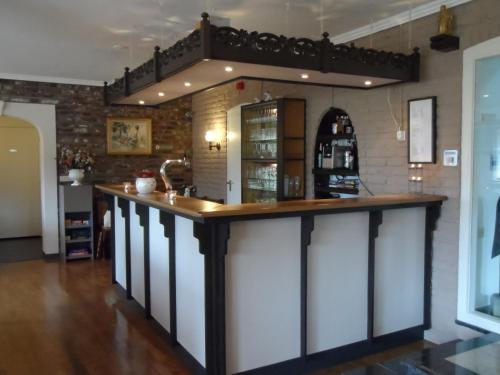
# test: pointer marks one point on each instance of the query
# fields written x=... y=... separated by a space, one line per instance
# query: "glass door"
x=479 y=271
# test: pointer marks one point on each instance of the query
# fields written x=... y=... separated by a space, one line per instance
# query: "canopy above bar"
x=213 y=55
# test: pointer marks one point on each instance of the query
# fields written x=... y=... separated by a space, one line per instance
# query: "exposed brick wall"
x=81 y=118
x=383 y=159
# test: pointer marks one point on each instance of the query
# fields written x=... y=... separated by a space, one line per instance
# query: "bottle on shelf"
x=335 y=126
x=320 y=156
x=327 y=156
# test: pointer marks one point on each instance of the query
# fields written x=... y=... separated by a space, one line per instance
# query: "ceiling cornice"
x=35 y=78
x=396 y=20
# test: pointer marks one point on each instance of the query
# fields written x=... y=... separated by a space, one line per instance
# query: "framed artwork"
x=128 y=136
x=422 y=130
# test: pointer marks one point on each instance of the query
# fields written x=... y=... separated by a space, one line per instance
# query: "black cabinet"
x=336 y=162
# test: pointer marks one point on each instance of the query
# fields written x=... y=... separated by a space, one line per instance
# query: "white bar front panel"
x=159 y=270
x=337 y=281
x=399 y=271
x=262 y=293
x=136 y=256
x=190 y=292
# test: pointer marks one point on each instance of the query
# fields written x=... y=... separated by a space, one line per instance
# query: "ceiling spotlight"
x=228 y=69
x=12 y=150
x=304 y=76
x=187 y=84
x=368 y=83
x=161 y=94
x=142 y=102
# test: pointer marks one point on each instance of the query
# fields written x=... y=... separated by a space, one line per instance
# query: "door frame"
x=43 y=118
x=465 y=313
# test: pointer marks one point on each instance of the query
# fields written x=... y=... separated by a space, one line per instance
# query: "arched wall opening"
x=43 y=118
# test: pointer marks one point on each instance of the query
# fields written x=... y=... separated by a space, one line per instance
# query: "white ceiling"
x=93 y=40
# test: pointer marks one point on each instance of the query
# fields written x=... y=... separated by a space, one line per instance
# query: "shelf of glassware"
x=260 y=182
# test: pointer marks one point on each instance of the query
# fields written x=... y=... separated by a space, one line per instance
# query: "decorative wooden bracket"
x=168 y=221
x=306 y=228
x=432 y=215
x=375 y=220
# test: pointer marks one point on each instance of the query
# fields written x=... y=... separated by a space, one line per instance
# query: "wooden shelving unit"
x=75 y=221
x=273 y=151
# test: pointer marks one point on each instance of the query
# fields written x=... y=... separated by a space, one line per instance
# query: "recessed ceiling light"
x=206 y=59
x=304 y=76
x=147 y=39
x=142 y=102
x=228 y=69
x=368 y=83
x=161 y=94
x=12 y=150
x=486 y=96
x=187 y=84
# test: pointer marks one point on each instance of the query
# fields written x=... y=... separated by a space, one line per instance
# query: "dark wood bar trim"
x=213 y=245
x=143 y=212
x=168 y=222
x=110 y=201
x=375 y=221
x=124 y=205
x=432 y=215
x=306 y=228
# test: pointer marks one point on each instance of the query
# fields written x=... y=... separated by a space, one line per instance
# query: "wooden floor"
x=68 y=319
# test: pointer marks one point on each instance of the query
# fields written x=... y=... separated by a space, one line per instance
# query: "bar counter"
x=282 y=288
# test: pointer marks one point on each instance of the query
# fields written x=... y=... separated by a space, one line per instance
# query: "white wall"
x=20 y=173
x=43 y=117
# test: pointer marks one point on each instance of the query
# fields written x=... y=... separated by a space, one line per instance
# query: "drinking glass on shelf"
x=297 y=185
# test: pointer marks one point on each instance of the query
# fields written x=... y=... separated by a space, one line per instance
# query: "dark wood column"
x=168 y=222
x=110 y=201
x=143 y=213
x=375 y=221
x=432 y=215
x=306 y=228
x=213 y=239
x=125 y=208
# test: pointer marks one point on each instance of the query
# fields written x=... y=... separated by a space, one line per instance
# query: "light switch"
x=450 y=158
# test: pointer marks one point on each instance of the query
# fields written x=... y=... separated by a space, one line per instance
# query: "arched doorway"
x=43 y=118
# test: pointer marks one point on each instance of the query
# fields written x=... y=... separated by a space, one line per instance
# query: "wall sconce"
x=213 y=139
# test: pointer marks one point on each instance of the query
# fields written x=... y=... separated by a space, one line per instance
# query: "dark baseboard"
x=470 y=326
x=332 y=357
x=191 y=362
x=19 y=238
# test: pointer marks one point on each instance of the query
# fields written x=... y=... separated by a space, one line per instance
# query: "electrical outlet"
x=401 y=135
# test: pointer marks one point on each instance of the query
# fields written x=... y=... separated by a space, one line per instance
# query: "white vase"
x=77 y=176
x=145 y=185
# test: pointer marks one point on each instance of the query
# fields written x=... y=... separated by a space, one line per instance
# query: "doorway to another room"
x=20 y=191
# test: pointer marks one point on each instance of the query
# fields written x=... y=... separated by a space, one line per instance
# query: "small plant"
x=76 y=159
x=145 y=173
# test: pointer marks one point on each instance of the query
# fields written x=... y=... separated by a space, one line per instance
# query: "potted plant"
x=76 y=162
x=145 y=181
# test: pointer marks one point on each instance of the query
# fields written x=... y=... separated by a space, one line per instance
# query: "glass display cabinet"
x=273 y=151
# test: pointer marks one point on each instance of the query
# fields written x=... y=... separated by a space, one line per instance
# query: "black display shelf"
x=334 y=172
x=340 y=190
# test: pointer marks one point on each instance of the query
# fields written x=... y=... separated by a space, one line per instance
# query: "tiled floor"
x=479 y=356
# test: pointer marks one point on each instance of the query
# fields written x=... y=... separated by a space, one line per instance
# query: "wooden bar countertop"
x=201 y=210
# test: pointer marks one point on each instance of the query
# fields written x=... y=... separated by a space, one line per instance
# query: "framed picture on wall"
x=422 y=130
x=128 y=136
